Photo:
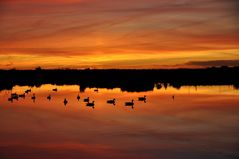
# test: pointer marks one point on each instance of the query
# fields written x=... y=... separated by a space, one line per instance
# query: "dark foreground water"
x=192 y=122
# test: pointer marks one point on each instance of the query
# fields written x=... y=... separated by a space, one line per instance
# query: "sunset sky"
x=118 y=33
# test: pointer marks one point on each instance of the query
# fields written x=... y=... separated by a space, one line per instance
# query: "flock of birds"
x=15 y=96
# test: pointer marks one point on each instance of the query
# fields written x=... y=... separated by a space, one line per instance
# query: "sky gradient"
x=118 y=34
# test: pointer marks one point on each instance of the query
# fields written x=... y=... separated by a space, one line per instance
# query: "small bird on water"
x=49 y=97
x=65 y=101
x=78 y=97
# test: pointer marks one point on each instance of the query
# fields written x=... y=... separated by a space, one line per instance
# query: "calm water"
x=198 y=123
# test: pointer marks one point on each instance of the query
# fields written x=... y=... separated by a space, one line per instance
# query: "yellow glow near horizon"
x=122 y=34
x=141 y=60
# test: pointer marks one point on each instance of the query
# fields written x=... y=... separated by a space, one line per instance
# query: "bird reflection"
x=173 y=97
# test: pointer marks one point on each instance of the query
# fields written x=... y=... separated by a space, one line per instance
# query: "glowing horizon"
x=118 y=34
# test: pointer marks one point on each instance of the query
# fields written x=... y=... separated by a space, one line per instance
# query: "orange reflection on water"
x=198 y=122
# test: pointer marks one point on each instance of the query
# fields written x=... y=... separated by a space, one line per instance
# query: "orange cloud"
x=95 y=29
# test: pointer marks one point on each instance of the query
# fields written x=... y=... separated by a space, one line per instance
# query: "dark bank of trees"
x=128 y=80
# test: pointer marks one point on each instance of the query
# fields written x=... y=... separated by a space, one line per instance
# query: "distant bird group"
x=15 y=96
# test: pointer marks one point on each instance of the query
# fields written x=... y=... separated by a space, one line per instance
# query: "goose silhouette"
x=130 y=104
x=34 y=97
x=142 y=98
x=78 y=97
x=92 y=104
x=111 y=101
x=28 y=91
x=10 y=99
x=65 y=101
x=87 y=99
x=49 y=97
x=22 y=95
x=55 y=89
x=14 y=95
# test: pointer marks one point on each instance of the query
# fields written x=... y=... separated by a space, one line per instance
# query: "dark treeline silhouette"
x=128 y=80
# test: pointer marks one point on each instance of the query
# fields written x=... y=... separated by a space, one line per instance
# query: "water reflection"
x=192 y=122
x=15 y=96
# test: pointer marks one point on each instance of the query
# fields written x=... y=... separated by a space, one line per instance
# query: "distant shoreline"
x=132 y=80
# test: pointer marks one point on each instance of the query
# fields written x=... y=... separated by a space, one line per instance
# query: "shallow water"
x=199 y=122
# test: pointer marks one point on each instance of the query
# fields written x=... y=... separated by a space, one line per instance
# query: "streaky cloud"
x=214 y=63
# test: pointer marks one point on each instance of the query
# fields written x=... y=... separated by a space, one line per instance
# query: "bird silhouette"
x=10 y=99
x=55 y=89
x=111 y=101
x=65 y=101
x=78 y=97
x=142 y=98
x=87 y=99
x=22 y=95
x=28 y=91
x=130 y=104
x=92 y=104
x=33 y=97
x=14 y=96
x=49 y=97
